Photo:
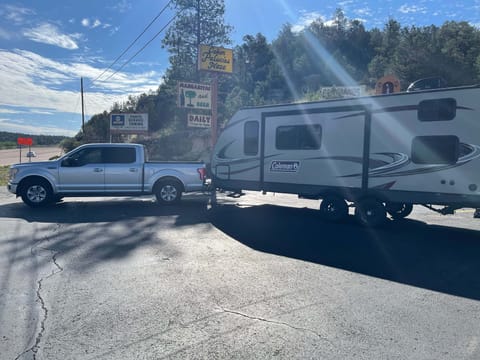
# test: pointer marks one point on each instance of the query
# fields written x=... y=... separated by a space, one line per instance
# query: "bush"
x=4 y=175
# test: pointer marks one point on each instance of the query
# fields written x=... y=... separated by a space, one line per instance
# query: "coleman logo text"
x=284 y=166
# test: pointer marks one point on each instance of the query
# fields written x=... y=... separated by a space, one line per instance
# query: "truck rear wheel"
x=168 y=192
x=333 y=208
x=36 y=193
x=370 y=212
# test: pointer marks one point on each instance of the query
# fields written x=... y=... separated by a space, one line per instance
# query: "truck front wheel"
x=168 y=192
x=36 y=193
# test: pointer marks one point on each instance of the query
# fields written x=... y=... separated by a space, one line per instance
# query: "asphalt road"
x=255 y=277
x=44 y=153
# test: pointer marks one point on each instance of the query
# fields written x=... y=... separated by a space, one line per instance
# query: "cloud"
x=406 y=9
x=34 y=84
x=25 y=128
x=123 y=6
x=10 y=110
x=16 y=14
x=363 y=11
x=49 y=34
x=94 y=23
x=305 y=20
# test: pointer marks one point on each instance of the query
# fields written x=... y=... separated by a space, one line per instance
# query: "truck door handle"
x=98 y=170
x=133 y=169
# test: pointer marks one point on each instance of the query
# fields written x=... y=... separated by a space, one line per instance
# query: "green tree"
x=460 y=48
x=197 y=22
x=385 y=45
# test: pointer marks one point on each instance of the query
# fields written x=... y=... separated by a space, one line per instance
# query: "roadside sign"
x=129 y=123
x=194 y=96
x=25 y=141
x=338 y=92
x=197 y=120
x=218 y=59
x=387 y=85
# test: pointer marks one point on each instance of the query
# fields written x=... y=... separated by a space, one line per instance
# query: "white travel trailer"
x=379 y=154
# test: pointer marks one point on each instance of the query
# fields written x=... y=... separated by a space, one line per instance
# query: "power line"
x=131 y=44
x=139 y=51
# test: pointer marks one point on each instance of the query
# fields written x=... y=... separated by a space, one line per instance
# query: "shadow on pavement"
x=96 y=231
x=189 y=211
x=438 y=258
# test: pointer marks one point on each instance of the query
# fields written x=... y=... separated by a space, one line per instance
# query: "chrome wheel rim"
x=36 y=194
x=168 y=193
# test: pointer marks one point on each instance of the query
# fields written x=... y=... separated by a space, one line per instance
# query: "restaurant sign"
x=212 y=58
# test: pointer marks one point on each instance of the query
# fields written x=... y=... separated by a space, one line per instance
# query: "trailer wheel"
x=168 y=192
x=399 y=210
x=333 y=208
x=370 y=212
x=36 y=193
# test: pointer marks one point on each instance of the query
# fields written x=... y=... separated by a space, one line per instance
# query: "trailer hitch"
x=235 y=194
x=446 y=210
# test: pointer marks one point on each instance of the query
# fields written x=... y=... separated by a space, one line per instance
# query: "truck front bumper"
x=12 y=188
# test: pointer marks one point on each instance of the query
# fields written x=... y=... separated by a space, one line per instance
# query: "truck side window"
x=119 y=155
x=444 y=149
x=437 y=110
x=298 y=137
x=84 y=157
x=250 y=144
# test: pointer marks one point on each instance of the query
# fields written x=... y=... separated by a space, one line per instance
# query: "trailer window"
x=250 y=144
x=298 y=137
x=437 y=110
x=443 y=149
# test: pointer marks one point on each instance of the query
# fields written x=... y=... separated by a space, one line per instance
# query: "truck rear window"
x=119 y=155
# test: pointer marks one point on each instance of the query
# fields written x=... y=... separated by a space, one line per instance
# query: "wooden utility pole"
x=214 y=108
x=83 y=113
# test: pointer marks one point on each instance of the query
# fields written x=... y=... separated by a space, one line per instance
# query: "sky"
x=47 y=46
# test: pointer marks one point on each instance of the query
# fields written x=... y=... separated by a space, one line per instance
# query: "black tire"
x=370 y=212
x=168 y=192
x=36 y=193
x=57 y=199
x=399 y=210
x=333 y=208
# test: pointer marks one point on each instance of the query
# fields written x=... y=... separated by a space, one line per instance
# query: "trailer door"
x=308 y=151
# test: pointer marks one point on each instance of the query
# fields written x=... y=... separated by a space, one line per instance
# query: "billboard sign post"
x=216 y=60
x=24 y=142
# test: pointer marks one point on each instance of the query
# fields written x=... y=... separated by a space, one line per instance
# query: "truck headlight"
x=12 y=173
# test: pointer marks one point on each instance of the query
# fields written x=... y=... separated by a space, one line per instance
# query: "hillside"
x=9 y=140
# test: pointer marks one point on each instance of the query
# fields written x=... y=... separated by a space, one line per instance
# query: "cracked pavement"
x=126 y=279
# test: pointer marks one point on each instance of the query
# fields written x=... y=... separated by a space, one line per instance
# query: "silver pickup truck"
x=104 y=170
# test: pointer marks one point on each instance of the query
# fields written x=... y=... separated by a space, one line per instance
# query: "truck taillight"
x=203 y=173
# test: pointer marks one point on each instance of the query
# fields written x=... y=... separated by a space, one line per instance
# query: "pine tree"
x=197 y=22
